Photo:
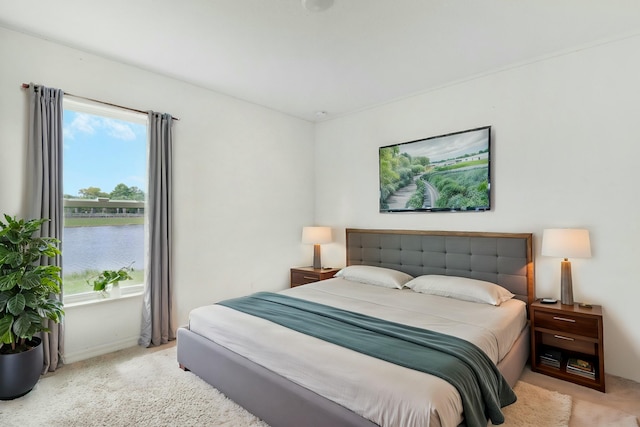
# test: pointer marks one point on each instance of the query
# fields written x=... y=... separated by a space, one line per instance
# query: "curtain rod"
x=26 y=86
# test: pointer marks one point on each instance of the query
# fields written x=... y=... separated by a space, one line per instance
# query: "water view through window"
x=104 y=183
x=103 y=248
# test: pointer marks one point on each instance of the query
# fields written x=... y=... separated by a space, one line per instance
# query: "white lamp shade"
x=566 y=243
x=316 y=235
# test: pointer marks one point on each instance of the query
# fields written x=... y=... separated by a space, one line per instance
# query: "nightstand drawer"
x=302 y=278
x=564 y=322
x=304 y=275
x=568 y=343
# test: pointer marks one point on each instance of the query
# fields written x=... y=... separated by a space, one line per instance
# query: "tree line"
x=120 y=192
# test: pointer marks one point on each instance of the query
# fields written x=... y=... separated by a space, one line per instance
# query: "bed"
x=291 y=379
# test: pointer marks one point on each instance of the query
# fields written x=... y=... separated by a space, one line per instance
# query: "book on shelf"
x=581 y=367
x=550 y=364
x=580 y=364
x=581 y=372
x=551 y=357
x=591 y=376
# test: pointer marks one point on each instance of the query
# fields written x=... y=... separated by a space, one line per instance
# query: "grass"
x=102 y=221
x=76 y=283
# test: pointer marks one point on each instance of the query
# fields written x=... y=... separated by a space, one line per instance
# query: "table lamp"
x=316 y=236
x=566 y=243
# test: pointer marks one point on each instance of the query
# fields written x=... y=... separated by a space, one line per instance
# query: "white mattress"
x=384 y=393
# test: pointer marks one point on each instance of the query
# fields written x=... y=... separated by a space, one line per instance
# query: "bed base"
x=274 y=399
x=280 y=402
x=512 y=364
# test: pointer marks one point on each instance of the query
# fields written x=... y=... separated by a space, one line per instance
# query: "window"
x=104 y=184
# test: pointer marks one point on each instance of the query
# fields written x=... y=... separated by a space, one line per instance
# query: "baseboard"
x=99 y=350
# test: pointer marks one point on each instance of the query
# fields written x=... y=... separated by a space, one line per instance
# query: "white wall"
x=101 y=327
x=243 y=175
x=566 y=146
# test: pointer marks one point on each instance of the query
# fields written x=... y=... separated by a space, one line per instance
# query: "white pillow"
x=461 y=288
x=377 y=276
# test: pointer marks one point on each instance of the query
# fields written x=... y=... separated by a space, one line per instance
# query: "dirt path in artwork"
x=399 y=199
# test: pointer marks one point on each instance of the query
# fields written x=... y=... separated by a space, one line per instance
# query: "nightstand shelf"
x=304 y=275
x=568 y=332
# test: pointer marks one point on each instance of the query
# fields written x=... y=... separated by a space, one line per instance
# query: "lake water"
x=102 y=248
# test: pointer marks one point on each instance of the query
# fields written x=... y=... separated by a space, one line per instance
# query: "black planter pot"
x=20 y=372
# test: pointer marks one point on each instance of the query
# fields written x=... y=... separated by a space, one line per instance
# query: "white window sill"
x=88 y=298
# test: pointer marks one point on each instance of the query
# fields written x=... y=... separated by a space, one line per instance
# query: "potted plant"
x=27 y=298
x=111 y=279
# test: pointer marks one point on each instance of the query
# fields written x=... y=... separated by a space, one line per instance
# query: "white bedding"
x=384 y=393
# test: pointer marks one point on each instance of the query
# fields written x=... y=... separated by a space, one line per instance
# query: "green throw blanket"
x=482 y=388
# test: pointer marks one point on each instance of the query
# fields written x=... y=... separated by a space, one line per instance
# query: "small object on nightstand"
x=548 y=301
x=585 y=305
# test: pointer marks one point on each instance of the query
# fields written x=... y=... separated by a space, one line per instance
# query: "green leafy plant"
x=110 y=277
x=27 y=290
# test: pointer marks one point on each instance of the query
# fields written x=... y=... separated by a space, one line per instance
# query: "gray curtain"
x=157 y=314
x=44 y=189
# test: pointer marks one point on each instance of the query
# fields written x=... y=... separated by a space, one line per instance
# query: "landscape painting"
x=438 y=174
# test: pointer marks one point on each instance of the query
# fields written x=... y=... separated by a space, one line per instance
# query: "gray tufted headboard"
x=502 y=258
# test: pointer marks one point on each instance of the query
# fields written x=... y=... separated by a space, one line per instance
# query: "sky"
x=448 y=146
x=102 y=152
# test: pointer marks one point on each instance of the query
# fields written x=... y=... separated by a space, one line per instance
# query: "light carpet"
x=146 y=388
x=537 y=407
x=126 y=388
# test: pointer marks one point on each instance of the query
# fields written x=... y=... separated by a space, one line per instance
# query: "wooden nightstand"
x=570 y=332
x=304 y=275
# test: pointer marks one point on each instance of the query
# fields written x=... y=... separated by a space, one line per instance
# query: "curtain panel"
x=157 y=313
x=44 y=190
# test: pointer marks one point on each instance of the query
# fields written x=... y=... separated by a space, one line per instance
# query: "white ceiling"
x=357 y=54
